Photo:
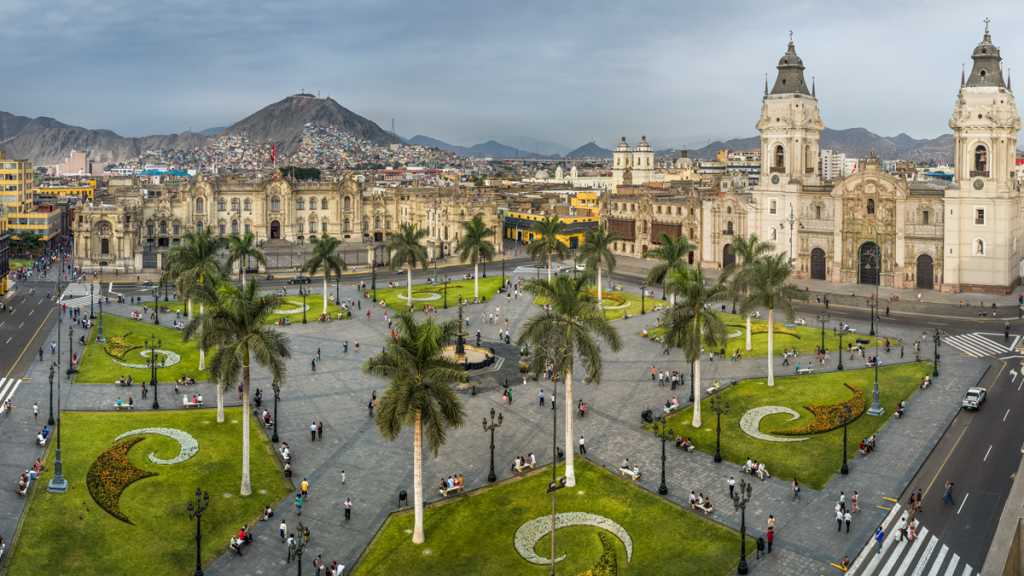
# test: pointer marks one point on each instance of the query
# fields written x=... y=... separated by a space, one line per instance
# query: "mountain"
x=528 y=145
x=905 y=141
x=589 y=150
x=46 y=141
x=282 y=122
x=213 y=131
x=489 y=149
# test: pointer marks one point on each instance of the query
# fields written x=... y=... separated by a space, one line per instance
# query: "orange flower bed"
x=111 y=473
x=828 y=417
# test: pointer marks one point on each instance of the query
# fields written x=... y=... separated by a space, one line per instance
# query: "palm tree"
x=572 y=326
x=690 y=322
x=596 y=250
x=672 y=253
x=749 y=250
x=323 y=256
x=418 y=392
x=546 y=243
x=405 y=249
x=475 y=245
x=770 y=287
x=242 y=247
x=236 y=324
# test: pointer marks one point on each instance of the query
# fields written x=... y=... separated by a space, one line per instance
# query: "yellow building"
x=16 y=180
x=519 y=226
x=5 y=264
x=83 y=192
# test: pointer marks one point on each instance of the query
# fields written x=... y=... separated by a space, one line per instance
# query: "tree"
x=572 y=326
x=242 y=247
x=690 y=322
x=749 y=251
x=418 y=392
x=673 y=254
x=474 y=246
x=301 y=173
x=597 y=250
x=29 y=240
x=236 y=324
x=324 y=256
x=770 y=287
x=545 y=242
x=405 y=249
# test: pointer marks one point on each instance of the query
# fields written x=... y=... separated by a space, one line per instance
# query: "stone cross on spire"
x=791 y=34
x=986 y=27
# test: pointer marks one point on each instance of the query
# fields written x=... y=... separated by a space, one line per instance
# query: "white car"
x=581 y=267
x=974 y=398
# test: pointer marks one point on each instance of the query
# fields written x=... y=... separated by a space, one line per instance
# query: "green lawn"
x=805 y=340
x=19 y=264
x=634 y=301
x=396 y=297
x=475 y=534
x=97 y=367
x=72 y=534
x=813 y=462
x=314 y=301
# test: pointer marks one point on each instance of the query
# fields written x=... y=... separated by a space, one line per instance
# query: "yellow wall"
x=84 y=192
x=16 y=174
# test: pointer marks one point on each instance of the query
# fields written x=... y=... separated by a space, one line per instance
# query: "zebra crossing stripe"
x=913 y=552
x=975 y=345
x=938 y=561
x=926 y=556
x=893 y=557
x=952 y=565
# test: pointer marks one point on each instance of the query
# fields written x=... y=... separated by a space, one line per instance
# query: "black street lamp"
x=845 y=416
x=824 y=319
x=165 y=296
x=58 y=484
x=491 y=477
x=92 y=301
x=373 y=276
x=153 y=344
x=447 y=279
x=156 y=305
x=337 y=289
x=503 y=258
x=719 y=409
x=277 y=395
x=871 y=307
x=50 y=420
x=302 y=533
x=937 y=338
x=842 y=333
x=663 y=489
x=303 y=288
x=197 y=513
x=99 y=335
x=71 y=361
x=643 y=293
x=739 y=501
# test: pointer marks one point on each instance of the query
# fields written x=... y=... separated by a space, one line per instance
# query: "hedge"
x=111 y=473
x=118 y=346
x=608 y=564
x=828 y=417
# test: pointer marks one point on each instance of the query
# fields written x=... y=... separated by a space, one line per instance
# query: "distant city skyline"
x=566 y=73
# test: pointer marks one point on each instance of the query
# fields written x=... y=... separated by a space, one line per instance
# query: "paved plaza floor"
x=377 y=470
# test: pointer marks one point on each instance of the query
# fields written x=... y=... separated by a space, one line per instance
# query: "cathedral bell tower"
x=789 y=127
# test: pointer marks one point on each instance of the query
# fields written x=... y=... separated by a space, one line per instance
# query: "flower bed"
x=828 y=417
x=763 y=329
x=111 y=473
x=118 y=346
x=189 y=445
x=527 y=536
x=430 y=289
x=610 y=296
x=608 y=564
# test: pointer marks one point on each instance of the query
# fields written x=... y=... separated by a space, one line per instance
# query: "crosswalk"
x=980 y=344
x=8 y=388
x=908 y=558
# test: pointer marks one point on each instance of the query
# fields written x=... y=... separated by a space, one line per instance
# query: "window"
x=348 y=203
x=323 y=204
x=221 y=205
x=780 y=157
x=773 y=206
x=387 y=226
x=980 y=158
x=176 y=229
x=300 y=227
x=149 y=229
x=234 y=204
x=728 y=227
x=234 y=226
x=199 y=204
x=312 y=203
x=979 y=247
x=979 y=216
x=275 y=204
x=300 y=205
x=728 y=210
x=871 y=206
x=348 y=225
x=924 y=216
x=163 y=227
x=376 y=223
x=817 y=210
x=247 y=229
x=105 y=246
x=248 y=204
x=221 y=227
x=366 y=224
x=691 y=233
x=323 y=227
x=199 y=227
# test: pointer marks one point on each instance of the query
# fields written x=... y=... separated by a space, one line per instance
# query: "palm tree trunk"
x=220 y=401
x=771 y=345
x=241 y=268
x=190 y=309
x=549 y=266
x=202 y=355
x=476 y=279
x=410 y=284
x=325 y=292
x=696 y=392
x=748 y=333
x=599 y=296
x=417 y=484
x=570 y=471
x=246 y=488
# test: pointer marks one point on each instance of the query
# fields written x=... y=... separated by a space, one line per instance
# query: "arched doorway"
x=275 y=229
x=378 y=237
x=727 y=256
x=817 y=264
x=925 y=272
x=690 y=257
x=868 y=263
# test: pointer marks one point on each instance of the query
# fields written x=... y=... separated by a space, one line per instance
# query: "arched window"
x=234 y=226
x=348 y=225
x=248 y=204
x=645 y=227
x=312 y=224
x=199 y=227
x=299 y=204
x=275 y=204
x=199 y=204
x=234 y=204
x=728 y=227
x=691 y=233
x=312 y=203
x=780 y=158
x=871 y=206
x=221 y=205
x=728 y=210
x=163 y=227
x=376 y=223
x=980 y=158
x=323 y=204
x=323 y=227
x=348 y=203
x=366 y=224
x=691 y=211
x=105 y=246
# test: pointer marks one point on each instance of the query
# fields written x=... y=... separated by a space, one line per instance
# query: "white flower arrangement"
x=751 y=422
x=300 y=308
x=189 y=445
x=170 y=359
x=530 y=533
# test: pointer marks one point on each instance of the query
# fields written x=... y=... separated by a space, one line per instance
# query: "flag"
x=273 y=152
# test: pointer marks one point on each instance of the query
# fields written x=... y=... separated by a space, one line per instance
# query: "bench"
x=851 y=330
x=525 y=465
x=707 y=509
x=43 y=443
x=630 y=473
x=801 y=322
x=192 y=404
x=807 y=370
x=713 y=389
x=670 y=409
x=286 y=457
x=445 y=491
x=128 y=406
x=27 y=485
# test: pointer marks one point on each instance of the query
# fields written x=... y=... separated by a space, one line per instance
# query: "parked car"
x=300 y=279
x=581 y=267
x=974 y=398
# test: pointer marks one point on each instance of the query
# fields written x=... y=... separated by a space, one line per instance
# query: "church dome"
x=643 y=146
x=791 y=74
x=986 y=70
x=542 y=175
x=623 y=146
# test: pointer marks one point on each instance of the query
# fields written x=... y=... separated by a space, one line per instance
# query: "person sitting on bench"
x=636 y=472
x=268 y=513
x=39 y=439
x=899 y=411
x=864 y=448
x=236 y=545
x=687 y=445
x=679 y=441
x=762 y=472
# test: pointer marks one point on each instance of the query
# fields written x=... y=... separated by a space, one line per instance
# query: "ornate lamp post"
x=156 y=305
x=876 y=407
x=277 y=396
x=92 y=301
x=824 y=319
x=937 y=338
x=447 y=279
x=842 y=333
x=300 y=543
x=166 y=299
x=663 y=489
x=197 y=513
x=373 y=276
x=871 y=307
x=100 y=333
x=50 y=420
x=491 y=477
x=719 y=409
x=303 y=288
x=153 y=345
x=71 y=362
x=58 y=484
x=845 y=417
x=643 y=293
x=739 y=501
x=337 y=289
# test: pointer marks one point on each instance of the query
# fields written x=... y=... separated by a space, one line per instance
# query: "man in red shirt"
x=770 y=537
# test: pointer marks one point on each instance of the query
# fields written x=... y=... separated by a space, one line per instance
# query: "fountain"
x=471 y=357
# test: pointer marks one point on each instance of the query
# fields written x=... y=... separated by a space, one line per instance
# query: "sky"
x=568 y=72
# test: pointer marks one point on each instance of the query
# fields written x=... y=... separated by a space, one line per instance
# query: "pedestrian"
x=291 y=547
x=318 y=564
x=348 y=509
x=839 y=517
x=771 y=521
x=305 y=487
x=317 y=354
x=796 y=490
x=35 y=411
x=917 y=503
x=40 y=353
x=583 y=448
x=298 y=504
x=770 y=537
x=902 y=527
x=342 y=476
x=948 y=494
x=652 y=368
x=847 y=517
x=854 y=500
x=312 y=432
x=842 y=501
x=541 y=397
x=369 y=406
x=732 y=486
x=320 y=431
x=284 y=530
x=880 y=537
